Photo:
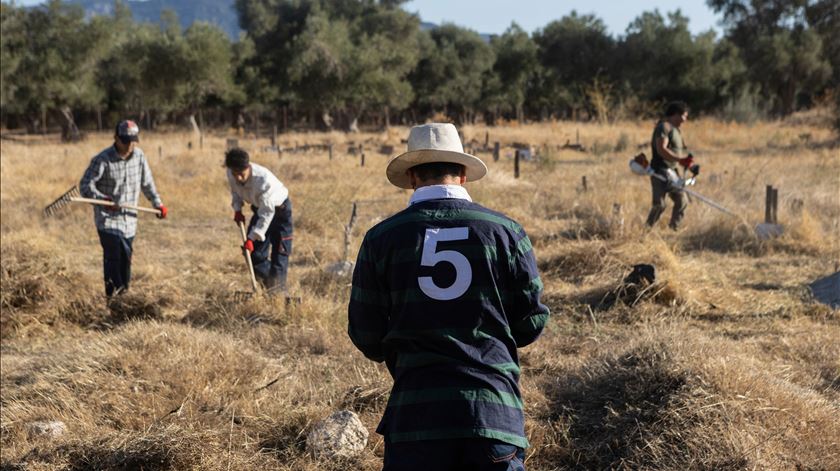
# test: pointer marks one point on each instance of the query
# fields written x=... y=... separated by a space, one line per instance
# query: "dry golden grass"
x=724 y=363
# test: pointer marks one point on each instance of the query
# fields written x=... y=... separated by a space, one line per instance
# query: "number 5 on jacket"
x=431 y=257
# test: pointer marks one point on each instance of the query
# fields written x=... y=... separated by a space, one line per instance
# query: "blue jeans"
x=116 y=255
x=271 y=256
x=462 y=454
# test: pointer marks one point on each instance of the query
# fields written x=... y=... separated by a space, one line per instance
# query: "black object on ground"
x=827 y=290
x=641 y=273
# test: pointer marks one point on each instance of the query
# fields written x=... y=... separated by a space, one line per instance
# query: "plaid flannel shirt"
x=110 y=177
x=452 y=354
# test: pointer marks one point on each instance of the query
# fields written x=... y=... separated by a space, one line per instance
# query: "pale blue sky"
x=494 y=16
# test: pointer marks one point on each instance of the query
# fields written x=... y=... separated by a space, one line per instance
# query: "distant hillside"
x=218 y=12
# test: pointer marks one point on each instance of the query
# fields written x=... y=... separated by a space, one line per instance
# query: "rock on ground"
x=51 y=429
x=341 y=434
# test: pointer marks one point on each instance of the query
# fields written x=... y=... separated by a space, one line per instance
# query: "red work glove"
x=687 y=162
x=238 y=217
x=249 y=245
x=163 y=212
x=112 y=208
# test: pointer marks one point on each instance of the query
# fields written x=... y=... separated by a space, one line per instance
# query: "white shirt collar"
x=435 y=192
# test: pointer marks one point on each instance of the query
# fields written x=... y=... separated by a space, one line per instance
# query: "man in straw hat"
x=444 y=292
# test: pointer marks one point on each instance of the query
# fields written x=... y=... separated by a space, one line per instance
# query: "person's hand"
x=687 y=162
x=163 y=212
x=111 y=207
x=238 y=217
x=249 y=245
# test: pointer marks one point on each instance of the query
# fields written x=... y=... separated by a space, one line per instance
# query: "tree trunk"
x=70 y=132
x=194 y=124
x=788 y=97
x=327 y=120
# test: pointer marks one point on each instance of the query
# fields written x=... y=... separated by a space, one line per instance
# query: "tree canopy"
x=337 y=63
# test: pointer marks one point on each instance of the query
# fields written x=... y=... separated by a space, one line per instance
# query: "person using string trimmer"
x=269 y=235
x=668 y=151
x=117 y=175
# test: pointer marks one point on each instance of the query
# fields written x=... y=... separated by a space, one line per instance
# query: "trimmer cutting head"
x=61 y=202
x=639 y=165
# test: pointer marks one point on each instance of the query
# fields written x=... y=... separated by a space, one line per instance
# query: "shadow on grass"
x=633 y=411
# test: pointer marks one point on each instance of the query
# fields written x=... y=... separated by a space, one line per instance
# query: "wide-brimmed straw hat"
x=433 y=142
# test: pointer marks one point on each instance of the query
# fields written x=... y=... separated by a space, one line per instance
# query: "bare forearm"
x=665 y=152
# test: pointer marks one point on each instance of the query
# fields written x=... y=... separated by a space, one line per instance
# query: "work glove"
x=249 y=245
x=111 y=208
x=238 y=217
x=163 y=211
x=687 y=162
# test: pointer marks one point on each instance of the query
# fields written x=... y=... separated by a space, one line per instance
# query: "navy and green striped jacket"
x=444 y=292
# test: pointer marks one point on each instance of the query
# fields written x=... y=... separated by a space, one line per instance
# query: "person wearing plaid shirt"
x=445 y=292
x=118 y=174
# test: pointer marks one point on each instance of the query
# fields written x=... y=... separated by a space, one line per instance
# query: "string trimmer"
x=640 y=166
x=72 y=196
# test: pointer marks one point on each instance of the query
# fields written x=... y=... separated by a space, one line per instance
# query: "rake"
x=72 y=196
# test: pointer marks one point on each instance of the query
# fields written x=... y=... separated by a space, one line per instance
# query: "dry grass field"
x=725 y=363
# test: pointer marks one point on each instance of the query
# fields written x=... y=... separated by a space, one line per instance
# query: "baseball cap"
x=127 y=131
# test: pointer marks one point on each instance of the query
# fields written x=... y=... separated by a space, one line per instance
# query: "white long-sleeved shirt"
x=262 y=190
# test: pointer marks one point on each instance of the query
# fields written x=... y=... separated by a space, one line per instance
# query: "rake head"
x=61 y=202
x=242 y=296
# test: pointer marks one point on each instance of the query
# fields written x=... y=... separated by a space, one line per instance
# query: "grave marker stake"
x=516 y=164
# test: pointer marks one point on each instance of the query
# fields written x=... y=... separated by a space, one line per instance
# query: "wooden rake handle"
x=111 y=203
x=248 y=260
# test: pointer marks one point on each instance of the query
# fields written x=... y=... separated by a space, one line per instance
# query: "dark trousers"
x=271 y=256
x=462 y=454
x=660 y=189
x=116 y=255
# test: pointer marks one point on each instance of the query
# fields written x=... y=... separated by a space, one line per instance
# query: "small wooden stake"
x=583 y=182
x=348 y=230
x=516 y=164
x=768 y=203
x=496 y=151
